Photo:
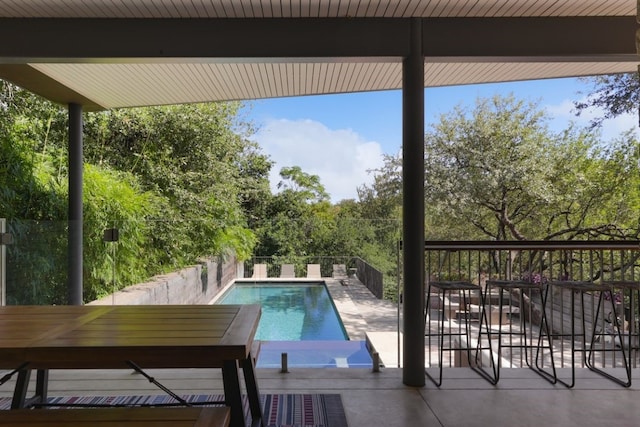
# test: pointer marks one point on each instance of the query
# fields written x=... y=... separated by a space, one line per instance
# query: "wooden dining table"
x=40 y=338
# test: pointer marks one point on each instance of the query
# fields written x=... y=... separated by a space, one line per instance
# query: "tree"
x=113 y=199
x=614 y=94
x=499 y=169
x=379 y=221
x=177 y=181
x=497 y=172
x=295 y=221
x=306 y=186
x=32 y=200
x=196 y=157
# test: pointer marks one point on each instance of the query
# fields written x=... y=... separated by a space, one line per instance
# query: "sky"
x=342 y=137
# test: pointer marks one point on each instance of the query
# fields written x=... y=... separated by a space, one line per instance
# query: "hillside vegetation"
x=184 y=182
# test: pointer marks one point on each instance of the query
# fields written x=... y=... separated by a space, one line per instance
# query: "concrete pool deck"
x=367 y=318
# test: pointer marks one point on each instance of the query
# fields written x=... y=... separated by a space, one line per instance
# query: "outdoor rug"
x=280 y=410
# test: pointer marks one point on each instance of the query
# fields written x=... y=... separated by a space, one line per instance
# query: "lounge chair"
x=339 y=270
x=287 y=270
x=259 y=271
x=313 y=270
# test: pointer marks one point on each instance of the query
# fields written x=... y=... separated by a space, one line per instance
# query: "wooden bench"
x=118 y=417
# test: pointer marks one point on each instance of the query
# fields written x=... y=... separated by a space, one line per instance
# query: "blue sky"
x=341 y=137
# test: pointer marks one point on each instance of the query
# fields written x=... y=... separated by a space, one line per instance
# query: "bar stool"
x=587 y=350
x=521 y=335
x=630 y=292
x=446 y=289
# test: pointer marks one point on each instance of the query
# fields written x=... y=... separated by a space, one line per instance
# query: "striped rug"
x=280 y=410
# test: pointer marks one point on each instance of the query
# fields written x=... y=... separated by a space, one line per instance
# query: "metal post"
x=375 y=360
x=399 y=303
x=3 y=265
x=413 y=373
x=74 y=285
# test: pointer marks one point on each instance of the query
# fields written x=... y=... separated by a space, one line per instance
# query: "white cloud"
x=340 y=157
x=565 y=112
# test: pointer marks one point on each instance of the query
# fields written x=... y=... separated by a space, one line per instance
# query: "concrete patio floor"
x=380 y=399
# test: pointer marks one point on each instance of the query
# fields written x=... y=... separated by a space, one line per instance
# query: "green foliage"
x=299 y=220
x=174 y=180
x=191 y=156
x=31 y=194
x=500 y=170
x=306 y=187
x=182 y=182
x=113 y=200
x=490 y=163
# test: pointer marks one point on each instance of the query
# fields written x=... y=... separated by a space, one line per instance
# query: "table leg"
x=253 y=395
x=42 y=385
x=232 y=395
x=22 y=386
x=20 y=392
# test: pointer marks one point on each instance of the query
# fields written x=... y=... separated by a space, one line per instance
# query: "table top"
x=106 y=337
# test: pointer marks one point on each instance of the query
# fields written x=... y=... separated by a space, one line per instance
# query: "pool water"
x=290 y=312
x=315 y=354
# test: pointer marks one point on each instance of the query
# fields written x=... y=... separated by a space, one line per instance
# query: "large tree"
x=500 y=169
x=613 y=94
x=198 y=158
x=177 y=181
x=496 y=171
x=294 y=223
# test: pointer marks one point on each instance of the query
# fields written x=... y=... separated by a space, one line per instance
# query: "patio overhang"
x=125 y=62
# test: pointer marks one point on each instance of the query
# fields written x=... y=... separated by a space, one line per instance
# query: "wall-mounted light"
x=6 y=239
x=111 y=235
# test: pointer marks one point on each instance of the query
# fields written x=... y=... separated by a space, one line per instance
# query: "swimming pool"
x=290 y=311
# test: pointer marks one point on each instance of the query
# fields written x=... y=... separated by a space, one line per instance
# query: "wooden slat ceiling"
x=312 y=8
x=106 y=83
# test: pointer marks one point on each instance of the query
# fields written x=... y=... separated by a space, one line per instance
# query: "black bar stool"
x=464 y=289
x=631 y=293
x=524 y=340
x=587 y=350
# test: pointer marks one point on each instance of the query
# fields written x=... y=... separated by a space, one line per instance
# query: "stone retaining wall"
x=197 y=284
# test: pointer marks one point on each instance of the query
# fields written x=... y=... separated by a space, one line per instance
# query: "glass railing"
x=35 y=264
x=116 y=256
x=119 y=255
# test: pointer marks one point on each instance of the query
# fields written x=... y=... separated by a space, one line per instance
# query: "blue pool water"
x=290 y=312
x=315 y=354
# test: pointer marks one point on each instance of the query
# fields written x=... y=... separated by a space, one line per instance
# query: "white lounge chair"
x=259 y=271
x=339 y=270
x=313 y=271
x=287 y=270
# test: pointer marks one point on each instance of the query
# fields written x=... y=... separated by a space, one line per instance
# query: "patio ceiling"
x=122 y=53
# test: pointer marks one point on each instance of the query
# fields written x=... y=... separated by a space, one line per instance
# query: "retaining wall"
x=197 y=284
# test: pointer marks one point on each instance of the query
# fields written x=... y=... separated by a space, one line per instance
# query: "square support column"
x=75 y=215
x=413 y=209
